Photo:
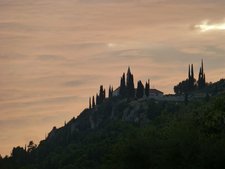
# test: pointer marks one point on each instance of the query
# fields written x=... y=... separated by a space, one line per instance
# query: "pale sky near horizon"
x=54 y=54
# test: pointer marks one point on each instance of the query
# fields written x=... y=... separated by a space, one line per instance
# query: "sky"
x=55 y=54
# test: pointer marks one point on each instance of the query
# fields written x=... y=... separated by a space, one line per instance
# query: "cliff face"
x=134 y=111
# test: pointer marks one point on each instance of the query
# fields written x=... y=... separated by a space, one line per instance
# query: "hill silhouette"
x=134 y=130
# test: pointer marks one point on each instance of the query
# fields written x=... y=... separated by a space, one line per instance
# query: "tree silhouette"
x=147 y=88
x=97 y=99
x=31 y=146
x=101 y=94
x=19 y=155
x=110 y=91
x=191 y=79
x=93 y=101
x=122 y=90
x=130 y=84
x=140 y=90
x=104 y=95
x=89 y=102
x=189 y=85
x=201 y=77
x=182 y=87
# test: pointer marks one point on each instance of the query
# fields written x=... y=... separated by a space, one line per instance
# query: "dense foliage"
x=176 y=136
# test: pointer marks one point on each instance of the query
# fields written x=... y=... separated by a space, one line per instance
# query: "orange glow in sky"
x=55 y=54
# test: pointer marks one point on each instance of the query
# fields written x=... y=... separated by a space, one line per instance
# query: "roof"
x=155 y=91
x=117 y=89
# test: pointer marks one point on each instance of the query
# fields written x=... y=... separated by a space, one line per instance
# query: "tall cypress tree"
x=201 y=77
x=191 y=79
x=101 y=94
x=93 y=101
x=147 y=88
x=110 y=91
x=104 y=95
x=130 y=84
x=122 y=90
x=189 y=71
x=90 y=103
x=97 y=99
x=192 y=71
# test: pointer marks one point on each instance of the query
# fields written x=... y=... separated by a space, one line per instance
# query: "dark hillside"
x=129 y=133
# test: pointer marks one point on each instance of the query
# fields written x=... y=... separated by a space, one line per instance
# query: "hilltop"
x=135 y=128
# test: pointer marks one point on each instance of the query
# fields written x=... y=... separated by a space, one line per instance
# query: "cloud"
x=39 y=103
x=13 y=56
x=206 y=26
x=54 y=54
x=51 y=58
x=84 y=80
x=115 y=1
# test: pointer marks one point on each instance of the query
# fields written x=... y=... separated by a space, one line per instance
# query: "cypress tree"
x=191 y=79
x=104 y=95
x=110 y=92
x=89 y=102
x=93 y=101
x=97 y=99
x=122 y=90
x=201 y=77
x=101 y=94
x=140 y=90
x=130 y=84
x=192 y=71
x=189 y=72
x=147 y=88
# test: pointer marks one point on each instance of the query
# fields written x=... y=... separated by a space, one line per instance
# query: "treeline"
x=191 y=84
x=128 y=90
x=19 y=157
x=100 y=97
x=125 y=90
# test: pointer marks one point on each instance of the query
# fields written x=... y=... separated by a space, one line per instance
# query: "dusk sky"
x=54 y=54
